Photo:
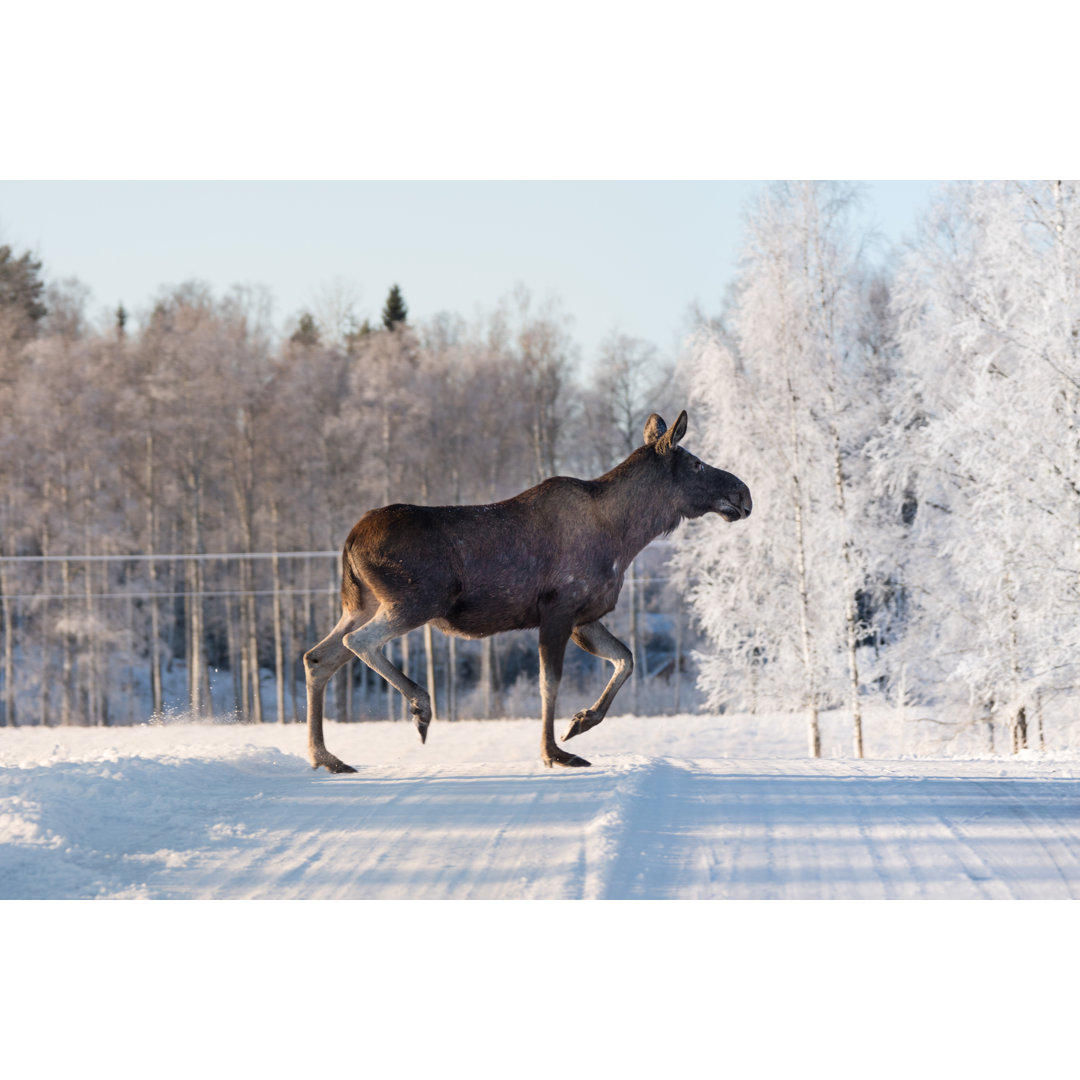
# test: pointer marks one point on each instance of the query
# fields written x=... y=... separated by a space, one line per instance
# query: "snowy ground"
x=690 y=807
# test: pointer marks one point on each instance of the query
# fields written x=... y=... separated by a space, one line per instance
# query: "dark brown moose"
x=552 y=557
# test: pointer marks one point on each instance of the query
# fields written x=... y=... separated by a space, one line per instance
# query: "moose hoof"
x=421 y=721
x=567 y=761
x=582 y=721
x=332 y=764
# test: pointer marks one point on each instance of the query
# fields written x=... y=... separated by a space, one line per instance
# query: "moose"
x=551 y=558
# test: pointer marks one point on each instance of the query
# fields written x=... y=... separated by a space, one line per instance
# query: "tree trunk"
x=45 y=636
x=194 y=637
x=288 y=618
x=206 y=693
x=429 y=654
x=253 y=690
x=1018 y=721
x=801 y=578
x=279 y=643
x=198 y=677
x=67 y=657
x=156 y=690
x=1019 y=730
x=389 y=651
x=343 y=680
x=813 y=729
x=487 y=676
x=67 y=651
x=635 y=676
x=825 y=311
x=91 y=651
x=97 y=676
x=851 y=619
x=677 y=673
x=404 y=639
x=9 y=623
x=131 y=690
x=496 y=680
x=803 y=588
x=451 y=679
x=237 y=658
x=9 y=617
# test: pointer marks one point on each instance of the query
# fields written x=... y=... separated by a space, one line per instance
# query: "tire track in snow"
x=980 y=838
x=918 y=851
x=1033 y=819
x=824 y=830
x=438 y=833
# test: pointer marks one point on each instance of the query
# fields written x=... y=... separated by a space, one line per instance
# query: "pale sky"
x=630 y=255
x=419 y=89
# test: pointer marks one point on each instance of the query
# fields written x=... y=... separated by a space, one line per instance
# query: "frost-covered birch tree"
x=781 y=399
x=989 y=305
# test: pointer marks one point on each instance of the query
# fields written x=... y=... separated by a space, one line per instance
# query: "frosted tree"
x=535 y=343
x=989 y=302
x=782 y=401
x=69 y=483
x=335 y=312
x=630 y=380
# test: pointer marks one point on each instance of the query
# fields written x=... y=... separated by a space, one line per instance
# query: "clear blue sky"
x=629 y=255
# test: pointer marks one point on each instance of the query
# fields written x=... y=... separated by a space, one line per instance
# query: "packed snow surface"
x=673 y=808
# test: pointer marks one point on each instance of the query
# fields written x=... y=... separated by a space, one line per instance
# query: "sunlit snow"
x=687 y=807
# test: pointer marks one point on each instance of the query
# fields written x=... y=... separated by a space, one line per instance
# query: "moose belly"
x=478 y=614
x=474 y=616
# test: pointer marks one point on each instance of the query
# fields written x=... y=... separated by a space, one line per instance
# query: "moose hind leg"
x=367 y=643
x=595 y=638
x=320 y=665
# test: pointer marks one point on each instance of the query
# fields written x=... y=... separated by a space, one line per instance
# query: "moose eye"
x=699 y=466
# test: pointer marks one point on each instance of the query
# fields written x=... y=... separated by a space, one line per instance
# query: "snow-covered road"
x=200 y=811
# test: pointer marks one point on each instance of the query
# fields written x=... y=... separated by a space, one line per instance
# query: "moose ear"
x=654 y=428
x=670 y=439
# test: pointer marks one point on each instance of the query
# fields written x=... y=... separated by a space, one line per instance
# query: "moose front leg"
x=553 y=638
x=595 y=638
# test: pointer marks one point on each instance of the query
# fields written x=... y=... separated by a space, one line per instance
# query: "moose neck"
x=637 y=505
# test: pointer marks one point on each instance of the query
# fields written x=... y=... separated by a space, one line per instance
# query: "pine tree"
x=394 y=310
x=21 y=288
x=307 y=332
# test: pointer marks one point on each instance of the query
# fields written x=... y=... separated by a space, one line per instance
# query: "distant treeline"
x=197 y=429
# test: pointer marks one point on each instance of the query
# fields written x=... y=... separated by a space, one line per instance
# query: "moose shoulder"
x=552 y=557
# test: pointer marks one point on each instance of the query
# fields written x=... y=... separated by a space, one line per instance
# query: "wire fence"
x=121 y=638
